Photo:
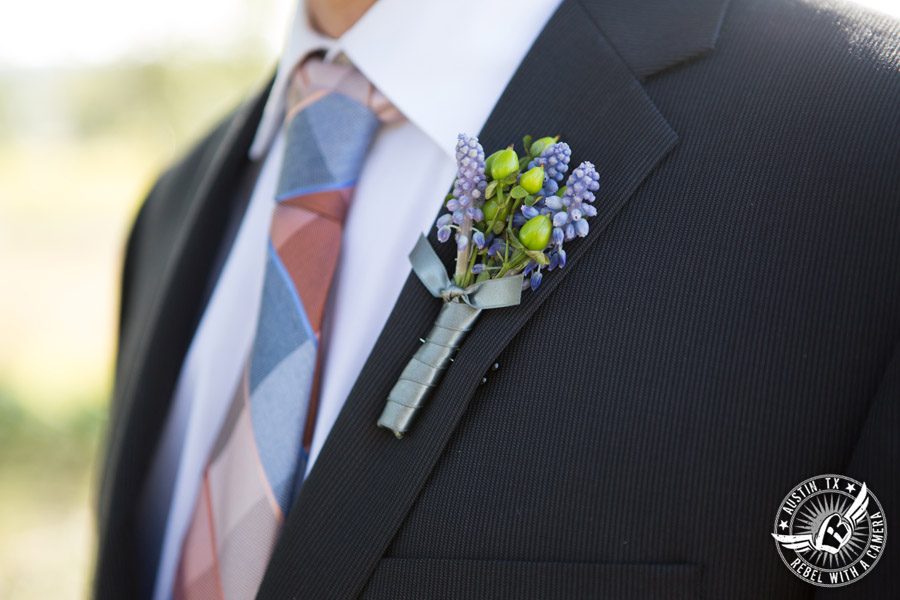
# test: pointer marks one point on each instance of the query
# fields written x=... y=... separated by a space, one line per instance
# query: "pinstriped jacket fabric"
x=729 y=328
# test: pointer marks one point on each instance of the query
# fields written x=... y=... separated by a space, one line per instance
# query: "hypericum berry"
x=491 y=211
x=535 y=234
x=538 y=145
x=532 y=180
x=490 y=161
x=505 y=163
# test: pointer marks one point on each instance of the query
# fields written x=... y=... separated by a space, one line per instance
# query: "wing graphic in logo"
x=834 y=531
x=799 y=543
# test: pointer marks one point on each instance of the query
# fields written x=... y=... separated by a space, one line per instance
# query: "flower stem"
x=462 y=258
x=519 y=260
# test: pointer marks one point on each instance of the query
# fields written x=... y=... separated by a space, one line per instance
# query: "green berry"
x=490 y=161
x=538 y=146
x=535 y=234
x=491 y=208
x=533 y=180
x=504 y=163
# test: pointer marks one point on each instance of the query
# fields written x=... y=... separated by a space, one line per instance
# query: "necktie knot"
x=315 y=78
x=333 y=113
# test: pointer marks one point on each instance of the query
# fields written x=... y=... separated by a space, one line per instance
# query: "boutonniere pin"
x=510 y=219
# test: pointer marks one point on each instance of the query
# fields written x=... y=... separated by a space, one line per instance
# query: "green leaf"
x=527 y=142
x=538 y=257
x=518 y=192
x=511 y=179
x=491 y=189
x=531 y=199
x=498 y=227
x=561 y=191
x=514 y=241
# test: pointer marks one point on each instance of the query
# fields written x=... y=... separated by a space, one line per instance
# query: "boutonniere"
x=510 y=217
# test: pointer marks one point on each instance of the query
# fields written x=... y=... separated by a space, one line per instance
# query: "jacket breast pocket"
x=440 y=579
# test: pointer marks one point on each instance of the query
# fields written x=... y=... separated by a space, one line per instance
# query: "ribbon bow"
x=493 y=293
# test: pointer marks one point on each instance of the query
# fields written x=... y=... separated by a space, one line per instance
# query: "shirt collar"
x=444 y=65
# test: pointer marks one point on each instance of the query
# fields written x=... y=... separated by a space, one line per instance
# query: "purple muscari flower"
x=536 y=279
x=555 y=160
x=558 y=236
x=550 y=186
x=519 y=220
x=478 y=238
x=443 y=234
x=479 y=268
x=530 y=212
x=560 y=218
x=576 y=203
x=581 y=227
x=468 y=189
x=554 y=261
x=496 y=247
x=444 y=221
x=462 y=242
x=529 y=267
x=562 y=258
x=470 y=178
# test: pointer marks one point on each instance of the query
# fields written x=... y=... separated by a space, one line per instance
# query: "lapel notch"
x=650 y=37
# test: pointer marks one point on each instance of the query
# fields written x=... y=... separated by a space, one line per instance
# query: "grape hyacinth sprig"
x=510 y=213
x=511 y=219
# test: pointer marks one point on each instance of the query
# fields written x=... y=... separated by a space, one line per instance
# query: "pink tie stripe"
x=306 y=234
x=259 y=460
x=214 y=564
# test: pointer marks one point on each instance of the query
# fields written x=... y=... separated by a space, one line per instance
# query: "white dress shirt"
x=444 y=65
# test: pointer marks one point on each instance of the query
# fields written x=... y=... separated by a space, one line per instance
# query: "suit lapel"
x=147 y=376
x=365 y=481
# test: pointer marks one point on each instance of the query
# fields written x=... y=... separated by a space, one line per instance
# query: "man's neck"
x=334 y=17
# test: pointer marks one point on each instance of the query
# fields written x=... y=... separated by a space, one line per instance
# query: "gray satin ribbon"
x=461 y=309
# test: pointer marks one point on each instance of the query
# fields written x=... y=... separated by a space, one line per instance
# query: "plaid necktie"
x=259 y=459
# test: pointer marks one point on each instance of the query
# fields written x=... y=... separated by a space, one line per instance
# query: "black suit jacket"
x=729 y=328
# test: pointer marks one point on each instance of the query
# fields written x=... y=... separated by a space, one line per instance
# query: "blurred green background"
x=95 y=98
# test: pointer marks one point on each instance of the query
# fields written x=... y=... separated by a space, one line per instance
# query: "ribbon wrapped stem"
x=424 y=370
x=461 y=309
